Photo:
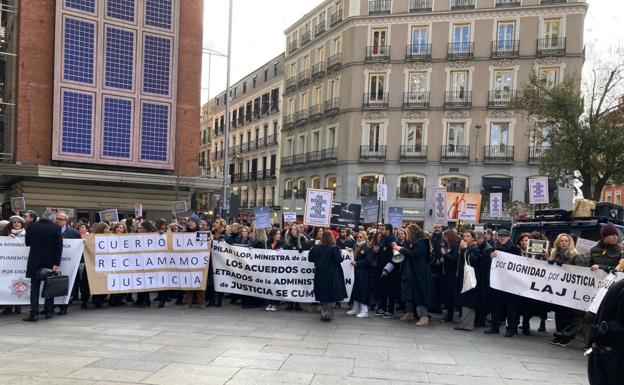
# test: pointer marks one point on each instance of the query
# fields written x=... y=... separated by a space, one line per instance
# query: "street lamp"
x=225 y=201
x=478 y=129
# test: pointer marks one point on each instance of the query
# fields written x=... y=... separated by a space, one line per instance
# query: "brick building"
x=102 y=104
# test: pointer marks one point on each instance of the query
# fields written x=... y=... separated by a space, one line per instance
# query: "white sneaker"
x=273 y=307
x=267 y=308
x=362 y=314
x=353 y=311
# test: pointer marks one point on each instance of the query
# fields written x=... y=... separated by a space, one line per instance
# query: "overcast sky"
x=258 y=33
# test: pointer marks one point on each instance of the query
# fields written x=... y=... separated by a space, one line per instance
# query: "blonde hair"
x=288 y=237
x=570 y=253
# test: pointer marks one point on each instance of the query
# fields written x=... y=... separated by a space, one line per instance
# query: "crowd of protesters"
x=396 y=270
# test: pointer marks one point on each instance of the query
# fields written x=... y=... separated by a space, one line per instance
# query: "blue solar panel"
x=154 y=131
x=158 y=13
x=117 y=127
x=119 y=58
x=78 y=55
x=81 y=5
x=156 y=64
x=77 y=122
x=120 y=9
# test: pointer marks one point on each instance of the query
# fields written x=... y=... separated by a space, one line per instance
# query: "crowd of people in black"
x=397 y=270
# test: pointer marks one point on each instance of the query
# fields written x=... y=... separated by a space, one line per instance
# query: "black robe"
x=329 y=282
x=364 y=257
x=449 y=277
x=415 y=277
x=470 y=298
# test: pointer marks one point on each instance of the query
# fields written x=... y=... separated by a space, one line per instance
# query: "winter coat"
x=606 y=257
x=364 y=257
x=329 y=282
x=470 y=298
x=415 y=276
x=449 y=277
x=345 y=243
x=46 y=246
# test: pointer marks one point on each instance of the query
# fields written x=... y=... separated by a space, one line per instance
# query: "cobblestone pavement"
x=230 y=345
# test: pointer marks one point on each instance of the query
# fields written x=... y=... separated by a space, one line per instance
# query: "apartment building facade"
x=418 y=92
x=254 y=136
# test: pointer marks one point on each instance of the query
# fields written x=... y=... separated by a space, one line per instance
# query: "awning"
x=496 y=184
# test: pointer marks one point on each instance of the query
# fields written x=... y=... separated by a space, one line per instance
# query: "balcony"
x=332 y=106
x=379 y=7
x=316 y=112
x=373 y=152
x=462 y=4
x=260 y=142
x=301 y=116
x=455 y=152
x=304 y=77
x=241 y=120
x=416 y=100
x=551 y=46
x=373 y=101
x=536 y=153
x=318 y=71
x=305 y=38
x=313 y=156
x=501 y=98
x=420 y=6
x=270 y=140
x=301 y=193
x=273 y=108
x=507 y=3
x=418 y=52
x=460 y=50
x=378 y=53
x=299 y=159
x=328 y=154
x=287 y=161
x=500 y=153
x=319 y=28
x=289 y=120
x=335 y=18
x=414 y=152
x=334 y=62
x=292 y=47
x=288 y=194
x=549 y=2
x=291 y=84
x=458 y=99
x=505 y=48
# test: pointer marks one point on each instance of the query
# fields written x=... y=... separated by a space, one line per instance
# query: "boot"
x=356 y=308
x=408 y=317
x=423 y=321
x=32 y=317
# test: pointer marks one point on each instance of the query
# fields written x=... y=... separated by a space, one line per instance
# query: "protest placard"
x=318 y=207
x=179 y=207
x=138 y=210
x=395 y=216
x=439 y=211
x=18 y=204
x=262 y=215
x=496 y=205
x=370 y=209
x=110 y=216
x=345 y=214
x=538 y=191
x=463 y=206
x=290 y=216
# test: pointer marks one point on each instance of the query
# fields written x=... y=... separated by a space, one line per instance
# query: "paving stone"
x=320 y=365
x=105 y=374
x=191 y=375
x=263 y=377
x=135 y=365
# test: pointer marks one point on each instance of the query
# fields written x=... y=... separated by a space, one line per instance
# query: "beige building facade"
x=419 y=91
x=254 y=136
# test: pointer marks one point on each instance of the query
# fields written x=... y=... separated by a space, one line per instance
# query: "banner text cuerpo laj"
x=283 y=275
x=146 y=262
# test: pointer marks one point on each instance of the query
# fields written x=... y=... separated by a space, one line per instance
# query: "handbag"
x=470 y=279
x=56 y=285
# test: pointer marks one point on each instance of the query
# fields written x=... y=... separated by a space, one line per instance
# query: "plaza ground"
x=230 y=345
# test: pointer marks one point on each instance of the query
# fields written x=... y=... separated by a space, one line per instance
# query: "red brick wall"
x=189 y=86
x=35 y=81
x=612 y=190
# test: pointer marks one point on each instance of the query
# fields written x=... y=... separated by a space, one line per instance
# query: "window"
x=411 y=187
x=609 y=197
x=330 y=183
x=539 y=136
x=318 y=95
x=455 y=134
x=320 y=55
x=315 y=182
x=331 y=137
x=502 y=84
x=373 y=136
x=417 y=87
x=254 y=79
x=337 y=46
x=316 y=141
x=288 y=185
x=301 y=185
x=461 y=38
x=332 y=91
x=301 y=144
x=293 y=69
x=289 y=147
x=244 y=88
x=454 y=184
x=618 y=198
x=419 y=40
x=266 y=74
x=376 y=86
x=505 y=35
x=459 y=85
x=499 y=134
x=275 y=69
x=549 y=77
x=552 y=29
x=368 y=185
x=379 y=41
x=413 y=135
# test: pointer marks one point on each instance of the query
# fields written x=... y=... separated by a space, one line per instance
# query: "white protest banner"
x=283 y=275
x=570 y=286
x=14 y=286
x=603 y=287
x=290 y=216
x=538 y=191
x=18 y=204
x=496 y=205
x=439 y=211
x=262 y=215
x=146 y=262
x=110 y=216
x=318 y=207
x=584 y=246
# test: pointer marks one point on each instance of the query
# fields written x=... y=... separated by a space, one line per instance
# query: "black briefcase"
x=55 y=286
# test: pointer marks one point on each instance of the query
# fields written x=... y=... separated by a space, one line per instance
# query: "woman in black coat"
x=469 y=254
x=329 y=283
x=450 y=255
x=415 y=274
x=363 y=258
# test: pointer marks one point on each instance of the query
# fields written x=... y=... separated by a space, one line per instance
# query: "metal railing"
x=292 y=47
x=547 y=2
x=379 y=7
x=462 y=4
x=332 y=106
x=334 y=61
x=551 y=46
x=304 y=77
x=288 y=120
x=455 y=152
x=299 y=159
x=301 y=193
x=416 y=99
x=335 y=18
x=500 y=153
x=318 y=70
x=418 y=52
x=458 y=98
x=305 y=38
x=536 y=153
x=507 y=3
x=505 y=48
x=291 y=83
x=373 y=152
x=501 y=98
x=328 y=154
x=316 y=111
x=413 y=152
x=319 y=28
x=460 y=50
x=301 y=116
x=378 y=53
x=420 y=6
x=375 y=100
x=288 y=194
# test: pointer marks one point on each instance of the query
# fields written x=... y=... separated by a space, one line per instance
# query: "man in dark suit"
x=62 y=221
x=46 y=248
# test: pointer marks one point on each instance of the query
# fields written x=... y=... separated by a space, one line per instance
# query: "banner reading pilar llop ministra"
x=146 y=262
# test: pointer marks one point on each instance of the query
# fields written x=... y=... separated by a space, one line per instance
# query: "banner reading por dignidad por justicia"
x=283 y=275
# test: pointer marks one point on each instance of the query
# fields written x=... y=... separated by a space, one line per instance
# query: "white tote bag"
x=470 y=279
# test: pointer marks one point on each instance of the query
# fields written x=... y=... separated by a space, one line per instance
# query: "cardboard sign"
x=138 y=210
x=318 y=207
x=584 y=246
x=537 y=247
x=290 y=216
x=202 y=236
x=439 y=211
x=262 y=216
x=395 y=216
x=538 y=191
x=496 y=205
x=179 y=207
x=110 y=216
x=370 y=207
x=18 y=204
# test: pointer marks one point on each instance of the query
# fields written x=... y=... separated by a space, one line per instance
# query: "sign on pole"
x=262 y=215
x=369 y=209
x=110 y=216
x=345 y=214
x=138 y=210
x=318 y=207
x=179 y=207
x=18 y=204
x=496 y=205
x=382 y=192
x=439 y=211
x=290 y=216
x=461 y=206
x=395 y=216
x=538 y=191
